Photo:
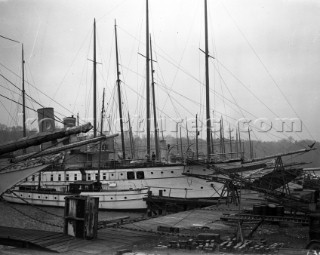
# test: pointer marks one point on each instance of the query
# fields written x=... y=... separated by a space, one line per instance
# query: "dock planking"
x=31 y=238
x=108 y=239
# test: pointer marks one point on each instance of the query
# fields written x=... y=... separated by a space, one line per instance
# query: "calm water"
x=45 y=218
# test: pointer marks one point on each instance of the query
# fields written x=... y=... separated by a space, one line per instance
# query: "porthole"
x=172 y=172
x=161 y=172
x=151 y=172
x=120 y=174
x=46 y=197
x=111 y=198
x=125 y=197
x=55 y=197
x=164 y=190
x=201 y=187
x=29 y=196
x=38 y=196
x=188 y=171
x=20 y=195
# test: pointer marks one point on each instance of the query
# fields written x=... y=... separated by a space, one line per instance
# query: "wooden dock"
x=111 y=239
x=38 y=239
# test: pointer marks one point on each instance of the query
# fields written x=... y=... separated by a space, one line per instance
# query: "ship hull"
x=108 y=200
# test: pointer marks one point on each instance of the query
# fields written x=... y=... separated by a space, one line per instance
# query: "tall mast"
x=236 y=144
x=187 y=133
x=119 y=94
x=207 y=82
x=156 y=138
x=101 y=130
x=181 y=145
x=23 y=100
x=131 y=138
x=250 y=145
x=147 y=80
x=94 y=81
x=240 y=146
x=230 y=141
x=197 y=148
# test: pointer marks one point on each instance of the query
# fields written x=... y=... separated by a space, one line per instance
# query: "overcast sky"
x=265 y=66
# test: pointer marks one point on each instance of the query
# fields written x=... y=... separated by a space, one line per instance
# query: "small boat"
x=126 y=199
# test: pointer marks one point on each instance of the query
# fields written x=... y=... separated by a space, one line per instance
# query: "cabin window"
x=130 y=175
x=33 y=178
x=59 y=177
x=104 y=176
x=67 y=177
x=51 y=177
x=96 y=177
x=140 y=175
x=75 y=177
x=89 y=177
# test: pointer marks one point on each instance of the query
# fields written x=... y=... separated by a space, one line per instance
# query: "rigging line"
x=9 y=39
x=16 y=102
x=225 y=84
x=215 y=54
x=35 y=41
x=180 y=60
x=83 y=77
x=112 y=10
x=36 y=88
x=15 y=92
x=236 y=120
x=28 y=69
x=203 y=105
x=171 y=62
x=169 y=59
x=216 y=111
x=18 y=89
x=72 y=62
x=9 y=113
x=250 y=91
x=266 y=69
x=141 y=96
x=165 y=87
x=235 y=101
x=32 y=99
x=10 y=91
x=58 y=120
x=193 y=101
